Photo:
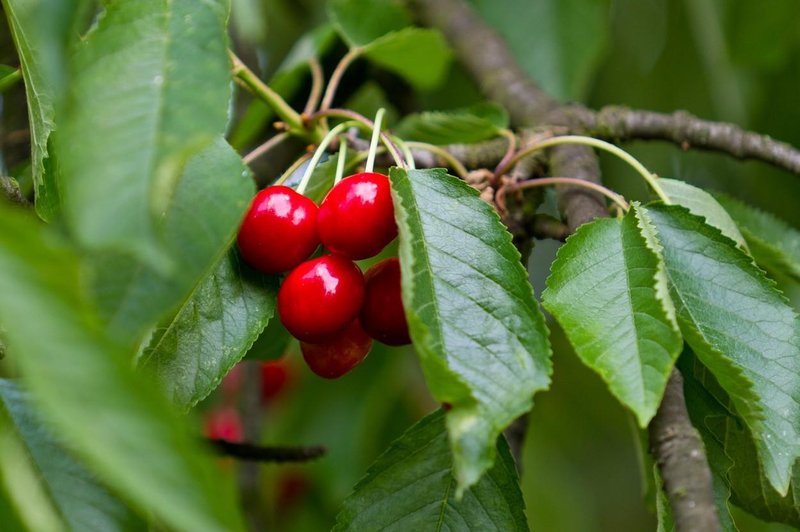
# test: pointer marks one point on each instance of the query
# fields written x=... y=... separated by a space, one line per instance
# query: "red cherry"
x=339 y=354
x=320 y=297
x=224 y=424
x=279 y=230
x=356 y=218
x=382 y=314
x=274 y=379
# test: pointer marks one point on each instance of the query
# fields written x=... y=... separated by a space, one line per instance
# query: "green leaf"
x=8 y=77
x=271 y=344
x=731 y=450
x=476 y=326
x=421 y=56
x=83 y=503
x=40 y=32
x=460 y=126
x=198 y=226
x=362 y=21
x=411 y=487
x=609 y=292
x=84 y=385
x=773 y=243
x=741 y=328
x=151 y=89
x=701 y=203
x=212 y=331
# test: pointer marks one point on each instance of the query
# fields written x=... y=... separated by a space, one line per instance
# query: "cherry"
x=339 y=354
x=382 y=315
x=279 y=230
x=320 y=297
x=224 y=424
x=356 y=218
x=274 y=379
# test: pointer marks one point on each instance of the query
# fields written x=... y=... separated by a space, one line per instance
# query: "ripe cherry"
x=279 y=230
x=224 y=424
x=382 y=315
x=274 y=379
x=338 y=354
x=320 y=297
x=356 y=218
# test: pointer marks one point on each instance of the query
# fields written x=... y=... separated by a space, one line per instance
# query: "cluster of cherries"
x=326 y=302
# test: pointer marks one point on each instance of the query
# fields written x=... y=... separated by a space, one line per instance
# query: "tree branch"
x=257 y=453
x=10 y=190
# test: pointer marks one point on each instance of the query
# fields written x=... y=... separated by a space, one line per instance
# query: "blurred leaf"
x=362 y=21
x=557 y=42
x=762 y=34
x=198 y=226
x=609 y=292
x=732 y=452
x=9 y=76
x=151 y=89
x=476 y=326
x=459 y=126
x=211 y=332
x=272 y=343
x=313 y=45
x=411 y=487
x=774 y=244
x=83 y=503
x=40 y=30
x=741 y=328
x=666 y=521
x=115 y=421
x=421 y=56
x=701 y=203
x=368 y=99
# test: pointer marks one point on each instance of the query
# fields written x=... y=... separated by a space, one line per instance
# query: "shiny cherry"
x=382 y=315
x=320 y=297
x=338 y=354
x=356 y=218
x=279 y=230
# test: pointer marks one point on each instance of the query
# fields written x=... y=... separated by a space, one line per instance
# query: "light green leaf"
x=151 y=88
x=741 y=328
x=608 y=291
x=476 y=326
x=40 y=32
x=773 y=243
x=732 y=453
x=460 y=126
x=701 y=203
x=212 y=331
x=83 y=503
x=198 y=226
x=84 y=385
x=362 y=21
x=421 y=56
x=411 y=487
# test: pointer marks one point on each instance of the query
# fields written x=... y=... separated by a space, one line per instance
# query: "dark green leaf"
x=608 y=290
x=421 y=56
x=8 y=77
x=272 y=343
x=741 y=328
x=198 y=226
x=82 y=502
x=362 y=21
x=82 y=380
x=411 y=487
x=368 y=99
x=212 y=331
x=476 y=326
x=151 y=89
x=774 y=244
x=460 y=126
x=701 y=203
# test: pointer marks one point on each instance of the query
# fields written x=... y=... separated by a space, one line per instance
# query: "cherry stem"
x=443 y=154
x=292 y=169
x=340 y=162
x=323 y=145
x=649 y=177
x=545 y=181
x=352 y=115
x=336 y=77
x=317 y=81
x=373 y=143
x=409 y=155
x=265 y=147
x=512 y=147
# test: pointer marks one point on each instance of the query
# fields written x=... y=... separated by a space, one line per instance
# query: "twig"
x=336 y=77
x=545 y=181
x=265 y=147
x=10 y=190
x=443 y=154
x=317 y=82
x=258 y=453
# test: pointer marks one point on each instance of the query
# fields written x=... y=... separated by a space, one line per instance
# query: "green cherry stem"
x=323 y=145
x=340 y=162
x=373 y=143
x=352 y=115
x=406 y=151
x=649 y=177
x=336 y=77
x=545 y=181
x=292 y=169
x=443 y=154
x=317 y=82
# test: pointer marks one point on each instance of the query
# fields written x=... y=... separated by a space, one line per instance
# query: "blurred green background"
x=733 y=60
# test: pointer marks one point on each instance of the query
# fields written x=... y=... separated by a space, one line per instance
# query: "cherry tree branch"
x=257 y=453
